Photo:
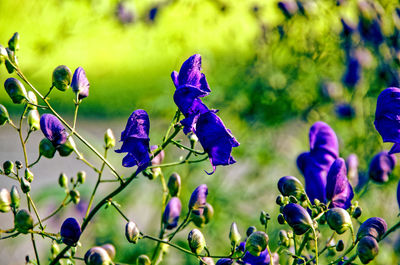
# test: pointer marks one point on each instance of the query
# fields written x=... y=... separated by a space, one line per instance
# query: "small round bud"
x=280 y=200
x=63 y=181
x=15 y=90
x=62 y=77
x=367 y=249
x=284 y=239
x=174 y=184
x=357 y=212
x=97 y=256
x=208 y=213
x=18 y=164
x=132 y=232
x=143 y=260
x=32 y=99
x=198 y=199
x=193 y=139
x=4 y=116
x=225 y=261
x=289 y=185
x=75 y=196
x=15 y=198
x=23 y=221
x=33 y=120
x=46 y=148
x=70 y=231
x=110 y=250
x=257 y=243
x=158 y=159
x=25 y=185
x=281 y=219
x=28 y=175
x=5 y=201
x=250 y=230
x=340 y=245
x=234 y=235
x=264 y=218
x=297 y=217
x=374 y=226
x=109 y=139
x=13 y=43
x=196 y=241
x=381 y=166
x=81 y=177
x=8 y=167
x=67 y=148
x=171 y=213
x=339 y=220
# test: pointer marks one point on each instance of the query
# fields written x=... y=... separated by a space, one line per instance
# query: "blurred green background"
x=272 y=75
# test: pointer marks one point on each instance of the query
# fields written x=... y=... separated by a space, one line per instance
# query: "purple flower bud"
x=348 y=28
x=224 y=261
x=339 y=220
x=345 y=111
x=248 y=258
x=381 y=166
x=367 y=249
x=153 y=13
x=70 y=231
x=53 y=129
x=172 y=212
x=198 y=199
x=110 y=250
x=16 y=90
x=136 y=140
x=338 y=188
x=80 y=84
x=297 y=217
x=289 y=185
x=97 y=256
x=374 y=226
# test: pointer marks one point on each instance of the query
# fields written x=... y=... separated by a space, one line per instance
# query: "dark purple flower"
x=198 y=199
x=353 y=72
x=153 y=13
x=338 y=189
x=70 y=231
x=398 y=194
x=387 y=117
x=381 y=166
x=374 y=226
x=345 y=111
x=172 y=212
x=53 y=129
x=297 y=217
x=249 y=259
x=136 y=140
x=216 y=139
x=80 y=83
x=225 y=261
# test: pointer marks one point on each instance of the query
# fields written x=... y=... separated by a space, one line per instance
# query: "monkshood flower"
x=216 y=139
x=53 y=129
x=70 y=231
x=314 y=165
x=172 y=212
x=367 y=249
x=198 y=199
x=375 y=227
x=225 y=261
x=381 y=166
x=297 y=217
x=136 y=140
x=338 y=188
x=80 y=83
x=248 y=259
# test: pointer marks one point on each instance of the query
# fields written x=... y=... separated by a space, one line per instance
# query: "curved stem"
x=34 y=163
x=170 y=237
x=188 y=148
x=119 y=210
x=392 y=229
x=180 y=163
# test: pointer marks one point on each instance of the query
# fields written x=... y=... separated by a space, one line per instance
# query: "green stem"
x=63 y=204
x=392 y=229
x=316 y=245
x=188 y=148
x=119 y=210
x=271 y=258
x=46 y=234
x=170 y=237
x=48 y=93
x=80 y=157
x=34 y=163
x=180 y=163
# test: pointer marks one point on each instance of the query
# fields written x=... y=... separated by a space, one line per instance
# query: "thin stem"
x=34 y=163
x=35 y=249
x=180 y=163
x=303 y=244
x=270 y=256
x=188 y=148
x=119 y=210
x=46 y=234
x=35 y=210
x=392 y=229
x=170 y=237
x=48 y=93
x=63 y=204
x=75 y=113
x=316 y=245
x=27 y=136
x=80 y=157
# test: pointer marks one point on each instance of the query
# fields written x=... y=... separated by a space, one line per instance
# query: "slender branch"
x=188 y=148
x=170 y=237
x=119 y=210
x=34 y=163
x=180 y=163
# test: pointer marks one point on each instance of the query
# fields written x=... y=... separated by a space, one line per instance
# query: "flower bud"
x=280 y=200
x=340 y=245
x=4 y=116
x=18 y=164
x=32 y=99
x=264 y=218
x=171 y=213
x=198 y=199
x=367 y=249
x=97 y=256
x=289 y=185
x=381 y=166
x=339 y=220
x=250 y=230
x=193 y=139
x=357 y=212
x=62 y=77
x=257 y=243
x=8 y=167
x=174 y=184
x=283 y=238
x=15 y=90
x=225 y=261
x=15 y=198
x=63 y=180
x=5 y=201
x=297 y=217
x=70 y=231
x=3 y=54
x=67 y=148
x=109 y=139
x=110 y=250
x=206 y=261
x=196 y=241
x=143 y=260
x=374 y=226
x=132 y=232
x=23 y=221
x=28 y=175
x=13 y=43
x=81 y=177
x=33 y=120
x=75 y=196
x=352 y=169
x=80 y=83
x=46 y=148
x=234 y=235
x=25 y=185
x=11 y=59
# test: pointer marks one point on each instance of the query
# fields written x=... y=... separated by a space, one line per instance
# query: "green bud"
x=81 y=177
x=55 y=249
x=339 y=220
x=28 y=175
x=280 y=200
x=62 y=77
x=208 y=212
x=23 y=221
x=250 y=230
x=281 y=219
x=63 y=181
x=11 y=59
x=340 y=245
x=284 y=239
x=25 y=185
x=143 y=260
x=3 y=54
x=132 y=232
x=197 y=242
x=46 y=148
x=357 y=212
x=97 y=256
x=75 y=196
x=15 y=90
x=109 y=139
x=18 y=164
x=4 y=116
x=257 y=243
x=110 y=250
x=5 y=201
x=234 y=235
x=264 y=218
x=292 y=199
x=32 y=99
x=67 y=148
x=13 y=43
x=15 y=198
x=8 y=167
x=193 y=139
x=367 y=249
x=174 y=184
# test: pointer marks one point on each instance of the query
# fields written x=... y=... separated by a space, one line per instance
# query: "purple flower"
x=398 y=194
x=198 y=199
x=216 y=139
x=374 y=226
x=297 y=217
x=353 y=72
x=225 y=261
x=387 y=117
x=345 y=111
x=172 y=212
x=80 y=84
x=338 y=188
x=136 y=140
x=53 y=129
x=249 y=259
x=70 y=231
x=381 y=166
x=314 y=165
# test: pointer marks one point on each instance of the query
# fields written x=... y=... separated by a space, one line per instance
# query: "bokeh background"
x=274 y=68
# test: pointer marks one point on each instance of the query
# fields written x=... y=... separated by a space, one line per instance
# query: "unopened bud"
x=280 y=200
x=11 y=59
x=357 y=212
x=13 y=43
x=174 y=184
x=340 y=245
x=67 y=148
x=193 y=139
x=18 y=164
x=5 y=201
x=4 y=116
x=25 y=185
x=339 y=220
x=297 y=217
x=284 y=239
x=70 y=231
x=375 y=227
x=63 y=180
x=132 y=232
x=110 y=250
x=28 y=175
x=75 y=196
x=225 y=261
x=143 y=260
x=281 y=219
x=250 y=230
x=62 y=77
x=289 y=185
x=15 y=198
x=97 y=256
x=367 y=249
x=3 y=54
x=234 y=235
x=33 y=120
x=15 y=90
x=196 y=241
x=33 y=100
x=206 y=261
x=23 y=221
x=8 y=167
x=46 y=148
x=257 y=243
x=109 y=139
x=81 y=177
